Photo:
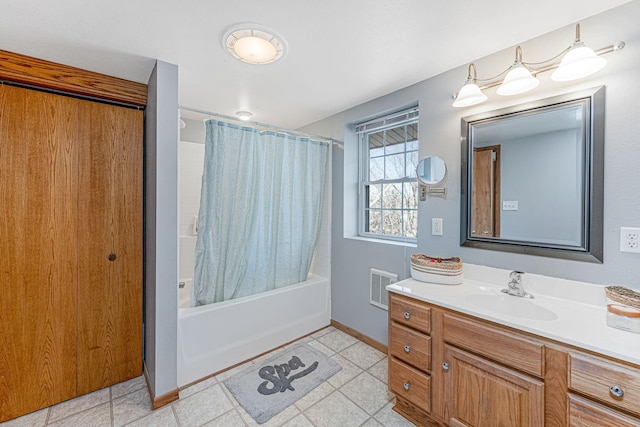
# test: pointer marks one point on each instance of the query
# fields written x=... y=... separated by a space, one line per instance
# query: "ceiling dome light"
x=470 y=94
x=254 y=44
x=244 y=115
x=518 y=79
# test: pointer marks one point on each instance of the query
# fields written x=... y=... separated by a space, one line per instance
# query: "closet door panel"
x=38 y=253
x=110 y=246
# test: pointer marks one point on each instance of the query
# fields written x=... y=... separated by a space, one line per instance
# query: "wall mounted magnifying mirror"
x=431 y=172
x=533 y=178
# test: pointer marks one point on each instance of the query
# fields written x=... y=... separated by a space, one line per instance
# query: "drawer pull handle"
x=445 y=366
x=406 y=386
x=407 y=348
x=407 y=315
x=616 y=391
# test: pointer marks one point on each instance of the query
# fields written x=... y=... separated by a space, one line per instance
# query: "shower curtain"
x=260 y=211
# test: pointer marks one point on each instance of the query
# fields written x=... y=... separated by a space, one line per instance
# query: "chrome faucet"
x=515 y=286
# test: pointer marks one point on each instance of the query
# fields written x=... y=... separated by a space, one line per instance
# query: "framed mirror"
x=532 y=177
x=431 y=170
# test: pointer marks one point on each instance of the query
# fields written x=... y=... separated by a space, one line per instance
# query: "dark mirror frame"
x=592 y=250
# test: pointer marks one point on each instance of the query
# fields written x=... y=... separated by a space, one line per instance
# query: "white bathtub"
x=216 y=336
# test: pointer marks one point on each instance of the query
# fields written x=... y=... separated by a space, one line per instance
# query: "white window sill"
x=383 y=241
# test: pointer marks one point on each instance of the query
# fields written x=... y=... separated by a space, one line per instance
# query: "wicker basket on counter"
x=623 y=295
x=443 y=271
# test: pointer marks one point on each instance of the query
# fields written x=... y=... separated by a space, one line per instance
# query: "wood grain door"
x=479 y=393
x=110 y=246
x=38 y=252
x=485 y=198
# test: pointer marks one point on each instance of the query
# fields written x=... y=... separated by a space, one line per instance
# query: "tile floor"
x=355 y=396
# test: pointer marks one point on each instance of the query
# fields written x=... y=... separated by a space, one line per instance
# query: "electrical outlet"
x=436 y=226
x=630 y=239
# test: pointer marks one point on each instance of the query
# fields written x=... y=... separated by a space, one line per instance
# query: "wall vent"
x=378 y=283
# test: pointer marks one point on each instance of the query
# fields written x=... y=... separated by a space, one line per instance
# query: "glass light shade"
x=579 y=62
x=255 y=50
x=518 y=80
x=470 y=94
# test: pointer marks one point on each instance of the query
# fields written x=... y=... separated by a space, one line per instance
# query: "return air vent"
x=379 y=280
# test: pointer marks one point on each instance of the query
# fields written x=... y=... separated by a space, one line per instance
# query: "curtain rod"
x=264 y=125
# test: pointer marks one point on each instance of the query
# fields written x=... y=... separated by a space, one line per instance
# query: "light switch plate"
x=436 y=227
x=509 y=205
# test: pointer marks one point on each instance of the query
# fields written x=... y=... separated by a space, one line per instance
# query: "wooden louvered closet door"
x=38 y=250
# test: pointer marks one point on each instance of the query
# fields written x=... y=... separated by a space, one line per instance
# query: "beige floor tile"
x=299 y=421
x=348 y=372
x=390 y=418
x=323 y=348
x=362 y=355
x=202 y=407
x=98 y=416
x=231 y=372
x=371 y=422
x=135 y=384
x=191 y=390
x=131 y=407
x=337 y=340
x=229 y=419
x=322 y=332
x=34 y=419
x=315 y=395
x=380 y=370
x=162 y=417
x=336 y=411
x=227 y=393
x=79 y=404
x=367 y=392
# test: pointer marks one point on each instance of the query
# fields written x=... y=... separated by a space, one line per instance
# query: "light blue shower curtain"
x=260 y=211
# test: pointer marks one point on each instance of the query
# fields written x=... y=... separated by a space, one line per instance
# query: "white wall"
x=440 y=135
x=161 y=230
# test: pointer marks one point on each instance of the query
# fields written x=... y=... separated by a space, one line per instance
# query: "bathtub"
x=216 y=336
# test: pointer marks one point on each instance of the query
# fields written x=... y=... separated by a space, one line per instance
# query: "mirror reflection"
x=529 y=184
x=431 y=170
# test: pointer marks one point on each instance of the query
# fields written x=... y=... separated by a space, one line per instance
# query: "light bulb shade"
x=244 y=115
x=470 y=94
x=579 y=62
x=518 y=80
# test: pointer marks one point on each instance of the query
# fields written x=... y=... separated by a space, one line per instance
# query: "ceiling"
x=340 y=53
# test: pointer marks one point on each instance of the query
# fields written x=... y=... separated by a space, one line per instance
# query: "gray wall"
x=161 y=230
x=440 y=135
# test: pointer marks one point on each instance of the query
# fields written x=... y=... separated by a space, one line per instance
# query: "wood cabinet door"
x=479 y=393
x=38 y=253
x=110 y=246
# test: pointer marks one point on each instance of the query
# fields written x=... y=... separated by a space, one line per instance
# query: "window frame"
x=400 y=119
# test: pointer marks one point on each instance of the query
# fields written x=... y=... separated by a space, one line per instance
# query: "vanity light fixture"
x=244 y=115
x=254 y=44
x=578 y=61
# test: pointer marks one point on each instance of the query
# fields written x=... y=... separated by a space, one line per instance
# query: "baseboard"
x=367 y=340
x=163 y=400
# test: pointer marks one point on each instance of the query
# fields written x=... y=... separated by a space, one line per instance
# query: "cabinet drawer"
x=510 y=348
x=410 y=313
x=583 y=413
x=594 y=377
x=410 y=384
x=410 y=346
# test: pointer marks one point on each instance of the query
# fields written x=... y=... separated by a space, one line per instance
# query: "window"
x=388 y=184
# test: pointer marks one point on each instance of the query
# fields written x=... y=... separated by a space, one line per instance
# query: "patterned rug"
x=266 y=389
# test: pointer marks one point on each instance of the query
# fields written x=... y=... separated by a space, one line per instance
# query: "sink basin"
x=512 y=306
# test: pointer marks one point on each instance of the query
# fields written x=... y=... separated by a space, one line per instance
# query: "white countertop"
x=562 y=310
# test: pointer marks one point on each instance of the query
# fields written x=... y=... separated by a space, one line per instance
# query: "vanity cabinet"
x=463 y=371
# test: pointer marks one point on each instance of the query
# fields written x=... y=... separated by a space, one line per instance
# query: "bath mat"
x=266 y=389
